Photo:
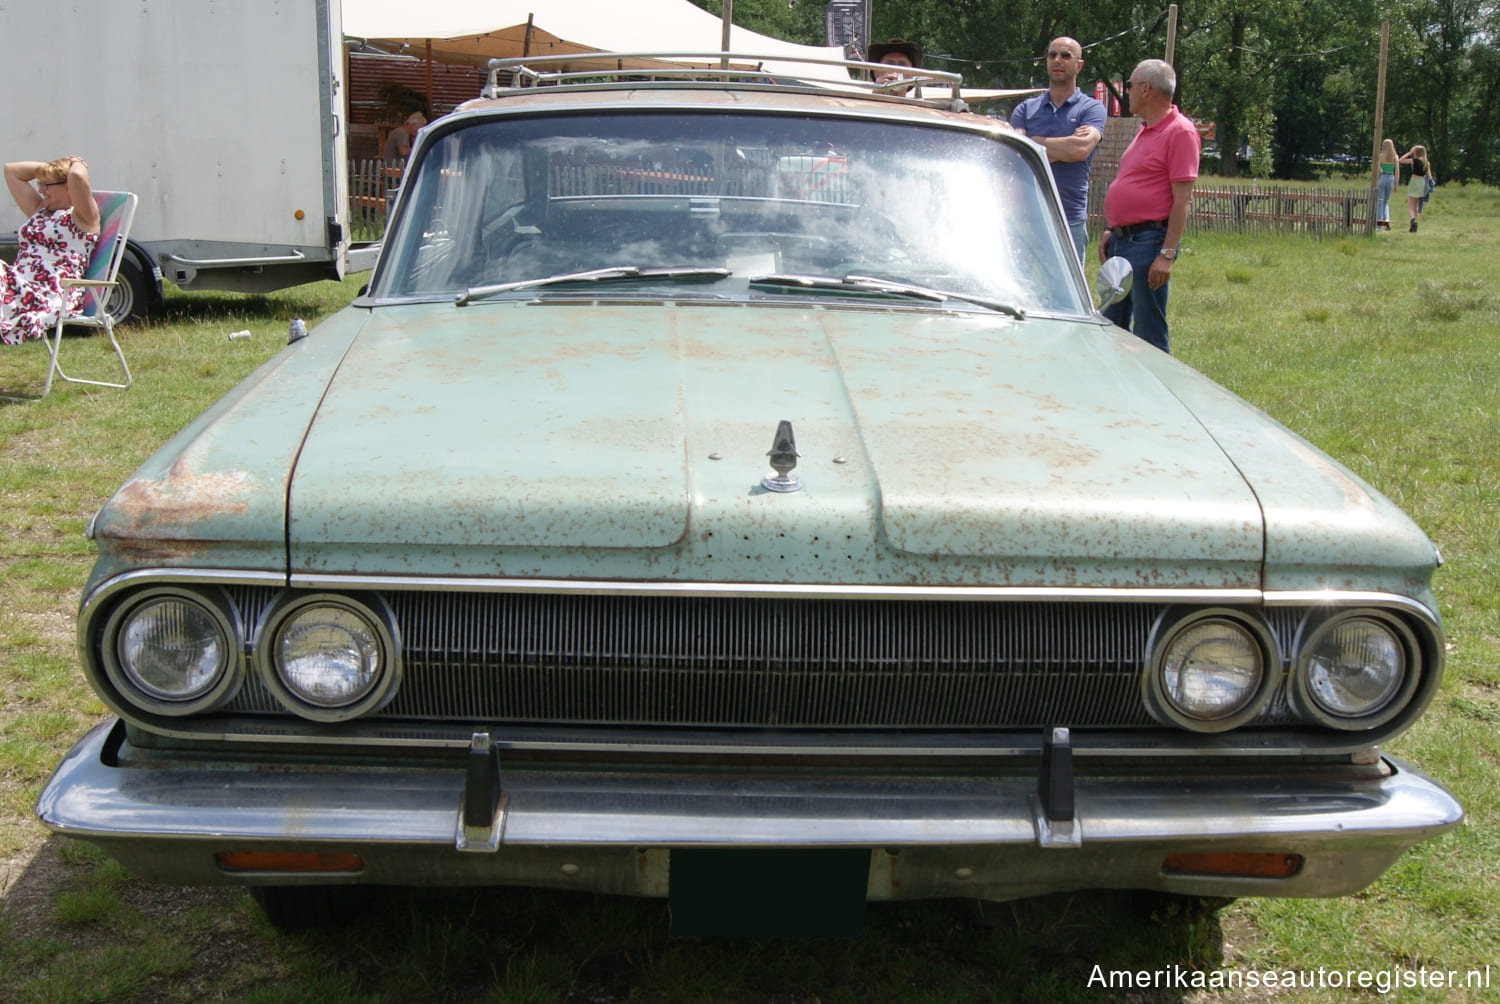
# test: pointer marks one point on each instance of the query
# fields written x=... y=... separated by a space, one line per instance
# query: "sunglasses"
x=44 y=185
x=1131 y=83
x=1059 y=55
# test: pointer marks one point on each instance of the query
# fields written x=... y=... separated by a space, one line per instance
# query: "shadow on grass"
x=23 y=368
x=207 y=307
x=20 y=393
x=549 y=945
x=554 y=945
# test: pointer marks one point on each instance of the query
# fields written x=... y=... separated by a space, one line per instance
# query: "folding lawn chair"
x=116 y=210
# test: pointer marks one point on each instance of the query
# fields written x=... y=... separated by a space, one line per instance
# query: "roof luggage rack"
x=632 y=69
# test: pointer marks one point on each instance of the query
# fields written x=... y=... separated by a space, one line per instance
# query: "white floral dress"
x=52 y=248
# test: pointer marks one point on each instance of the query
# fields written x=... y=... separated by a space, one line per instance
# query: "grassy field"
x=1384 y=351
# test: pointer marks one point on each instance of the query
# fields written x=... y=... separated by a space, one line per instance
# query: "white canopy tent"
x=475 y=31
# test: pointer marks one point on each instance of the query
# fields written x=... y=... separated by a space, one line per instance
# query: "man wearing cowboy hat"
x=894 y=52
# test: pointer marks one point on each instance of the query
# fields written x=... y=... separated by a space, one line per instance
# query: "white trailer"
x=224 y=116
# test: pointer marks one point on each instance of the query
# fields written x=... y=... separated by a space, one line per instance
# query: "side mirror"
x=1113 y=282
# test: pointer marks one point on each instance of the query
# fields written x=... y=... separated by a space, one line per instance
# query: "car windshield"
x=781 y=206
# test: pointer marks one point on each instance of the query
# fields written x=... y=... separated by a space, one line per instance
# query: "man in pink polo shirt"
x=1146 y=206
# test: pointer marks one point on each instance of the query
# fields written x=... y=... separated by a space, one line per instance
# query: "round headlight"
x=1355 y=667
x=172 y=651
x=329 y=658
x=1211 y=672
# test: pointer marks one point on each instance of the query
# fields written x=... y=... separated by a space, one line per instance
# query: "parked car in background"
x=728 y=492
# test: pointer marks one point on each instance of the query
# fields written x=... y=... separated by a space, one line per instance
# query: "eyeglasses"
x=1059 y=55
x=1132 y=83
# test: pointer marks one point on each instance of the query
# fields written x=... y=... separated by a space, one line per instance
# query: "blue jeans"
x=1384 y=186
x=1080 y=231
x=1147 y=306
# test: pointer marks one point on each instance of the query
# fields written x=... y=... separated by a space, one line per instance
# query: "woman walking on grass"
x=1421 y=169
x=1385 y=183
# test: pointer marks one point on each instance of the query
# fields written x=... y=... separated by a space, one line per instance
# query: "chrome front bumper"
x=613 y=832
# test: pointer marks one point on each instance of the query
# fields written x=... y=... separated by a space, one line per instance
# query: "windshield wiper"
x=674 y=273
x=870 y=284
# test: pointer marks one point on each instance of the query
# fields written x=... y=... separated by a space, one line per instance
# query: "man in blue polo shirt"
x=1068 y=124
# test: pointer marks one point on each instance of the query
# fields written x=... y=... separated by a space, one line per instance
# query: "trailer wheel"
x=131 y=297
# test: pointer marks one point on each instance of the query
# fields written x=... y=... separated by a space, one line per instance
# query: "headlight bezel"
x=1315 y=630
x=137 y=692
x=376 y=616
x=1174 y=626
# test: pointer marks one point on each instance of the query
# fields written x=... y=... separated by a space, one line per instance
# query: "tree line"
x=1290 y=81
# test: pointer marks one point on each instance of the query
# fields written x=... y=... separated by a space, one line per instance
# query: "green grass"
x=1388 y=358
x=60 y=458
x=1385 y=351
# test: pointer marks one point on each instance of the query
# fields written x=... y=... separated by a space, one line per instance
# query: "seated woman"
x=56 y=242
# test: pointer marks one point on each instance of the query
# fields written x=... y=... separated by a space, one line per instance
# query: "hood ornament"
x=783 y=454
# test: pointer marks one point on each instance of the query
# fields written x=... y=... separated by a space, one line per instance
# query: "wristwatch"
x=1170 y=254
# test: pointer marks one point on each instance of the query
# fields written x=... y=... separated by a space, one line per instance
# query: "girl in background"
x=1385 y=183
x=1421 y=168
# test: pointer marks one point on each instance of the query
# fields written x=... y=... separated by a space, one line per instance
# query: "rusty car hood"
x=569 y=438
x=583 y=438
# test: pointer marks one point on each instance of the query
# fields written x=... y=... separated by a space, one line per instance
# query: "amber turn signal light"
x=1233 y=864
x=268 y=861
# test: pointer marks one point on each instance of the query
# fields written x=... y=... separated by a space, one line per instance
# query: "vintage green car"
x=726 y=490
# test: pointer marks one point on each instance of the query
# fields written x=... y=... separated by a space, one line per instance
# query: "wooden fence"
x=1281 y=208
x=372 y=187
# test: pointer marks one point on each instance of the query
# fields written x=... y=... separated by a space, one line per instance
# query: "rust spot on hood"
x=164 y=507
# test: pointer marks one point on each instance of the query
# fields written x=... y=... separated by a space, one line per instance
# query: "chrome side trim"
x=175 y=576
x=779 y=589
x=1353 y=597
x=606 y=587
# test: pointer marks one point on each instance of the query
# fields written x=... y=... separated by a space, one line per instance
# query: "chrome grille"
x=764 y=662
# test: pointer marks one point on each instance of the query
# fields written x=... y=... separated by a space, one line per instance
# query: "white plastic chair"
x=116 y=211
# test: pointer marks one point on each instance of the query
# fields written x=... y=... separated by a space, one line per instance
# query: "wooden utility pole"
x=724 y=35
x=1171 y=34
x=1385 y=39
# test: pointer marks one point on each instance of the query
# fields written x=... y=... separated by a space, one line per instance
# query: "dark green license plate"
x=736 y=893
